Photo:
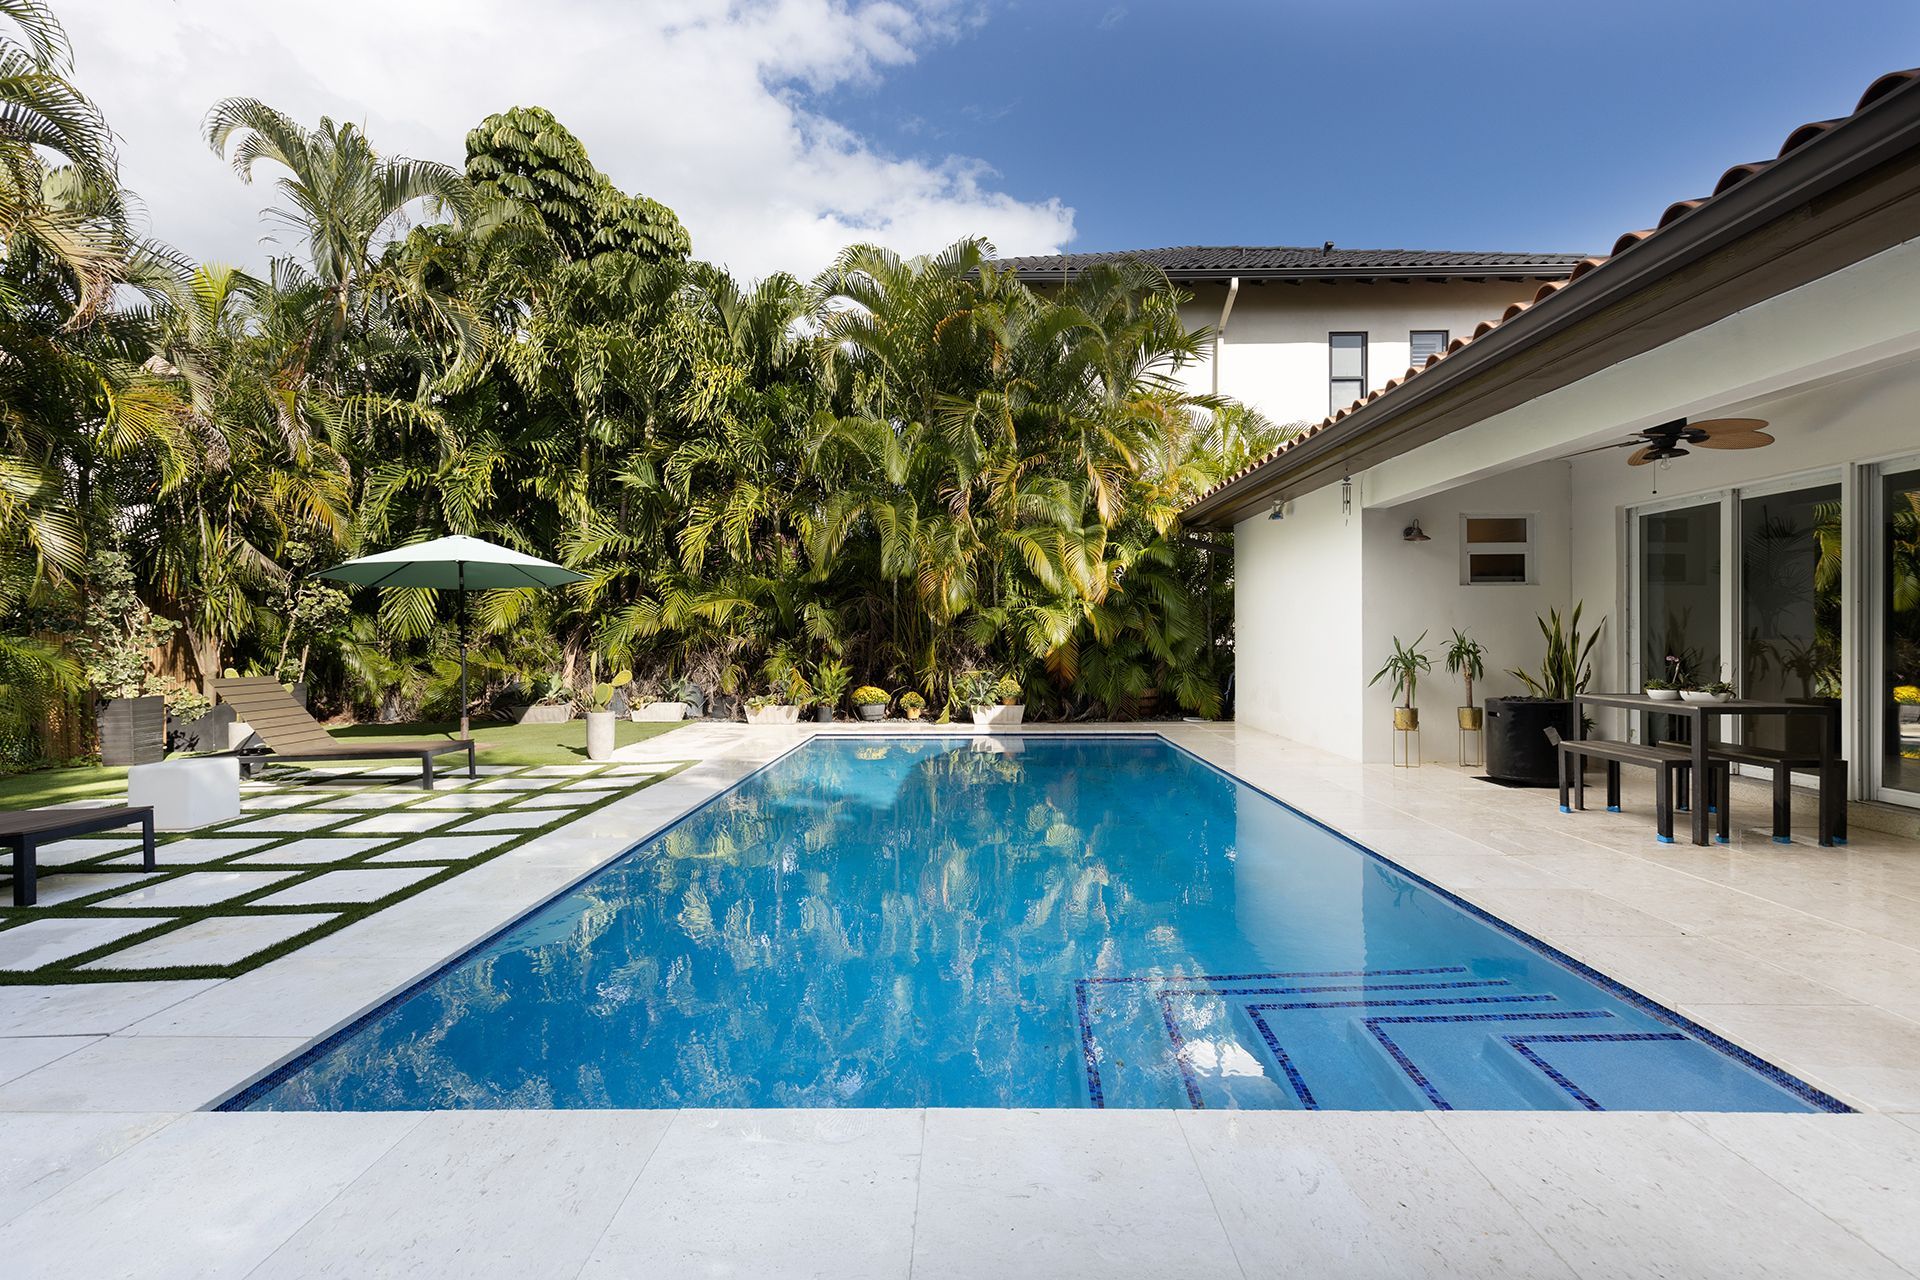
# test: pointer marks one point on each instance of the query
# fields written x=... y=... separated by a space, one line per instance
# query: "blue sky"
x=1484 y=124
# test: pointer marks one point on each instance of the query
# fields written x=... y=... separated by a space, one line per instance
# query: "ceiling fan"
x=1680 y=437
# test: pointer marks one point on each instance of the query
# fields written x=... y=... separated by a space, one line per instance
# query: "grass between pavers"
x=287 y=876
x=504 y=744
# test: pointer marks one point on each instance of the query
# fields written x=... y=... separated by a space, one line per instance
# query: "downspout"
x=1220 y=330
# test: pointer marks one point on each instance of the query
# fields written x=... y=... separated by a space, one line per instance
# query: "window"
x=1347 y=365
x=1422 y=343
x=1496 y=549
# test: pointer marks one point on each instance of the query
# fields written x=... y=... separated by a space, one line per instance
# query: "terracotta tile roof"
x=1732 y=178
x=1218 y=262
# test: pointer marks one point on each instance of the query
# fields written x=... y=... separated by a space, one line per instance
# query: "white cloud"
x=703 y=104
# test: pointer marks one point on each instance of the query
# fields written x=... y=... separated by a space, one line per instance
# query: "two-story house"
x=1301 y=332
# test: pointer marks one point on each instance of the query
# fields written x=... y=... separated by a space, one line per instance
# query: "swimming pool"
x=1017 y=921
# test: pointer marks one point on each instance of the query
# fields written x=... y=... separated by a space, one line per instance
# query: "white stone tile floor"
x=280 y=823
x=397 y=823
x=85 y=1009
x=512 y=784
x=214 y=940
x=197 y=889
x=41 y=942
x=312 y=850
x=464 y=801
x=193 y=849
x=558 y=800
x=41 y=1153
x=268 y=800
x=145 y=1073
x=83 y=848
x=563 y=771
x=21 y=1054
x=379 y=801
x=448 y=848
x=353 y=885
x=508 y=821
x=54 y=889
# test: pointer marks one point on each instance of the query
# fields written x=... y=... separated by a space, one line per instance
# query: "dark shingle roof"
x=1299 y=262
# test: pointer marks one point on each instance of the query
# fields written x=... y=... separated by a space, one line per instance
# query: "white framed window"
x=1346 y=369
x=1496 y=549
x=1422 y=343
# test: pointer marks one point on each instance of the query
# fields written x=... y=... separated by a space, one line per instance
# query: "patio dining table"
x=1701 y=715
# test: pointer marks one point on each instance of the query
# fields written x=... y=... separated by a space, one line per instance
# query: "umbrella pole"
x=464 y=735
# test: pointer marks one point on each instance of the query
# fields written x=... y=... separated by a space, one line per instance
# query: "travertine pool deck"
x=1809 y=957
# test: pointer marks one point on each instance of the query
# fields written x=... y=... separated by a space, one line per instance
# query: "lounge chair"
x=25 y=830
x=291 y=734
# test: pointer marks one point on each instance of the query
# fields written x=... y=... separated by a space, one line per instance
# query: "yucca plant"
x=1466 y=658
x=1566 y=669
x=1405 y=665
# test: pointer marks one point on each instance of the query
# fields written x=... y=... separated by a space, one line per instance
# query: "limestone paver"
x=41 y=942
x=397 y=823
x=41 y=1153
x=145 y=1073
x=215 y=940
x=352 y=885
x=513 y=820
x=448 y=848
x=303 y=820
x=55 y=890
x=176 y=853
x=197 y=889
x=310 y=850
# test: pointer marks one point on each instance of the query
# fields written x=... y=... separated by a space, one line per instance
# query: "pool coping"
x=241 y=1096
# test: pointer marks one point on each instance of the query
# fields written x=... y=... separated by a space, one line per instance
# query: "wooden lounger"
x=26 y=830
x=293 y=735
x=1667 y=762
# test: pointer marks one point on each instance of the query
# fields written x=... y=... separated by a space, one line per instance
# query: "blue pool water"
x=1015 y=922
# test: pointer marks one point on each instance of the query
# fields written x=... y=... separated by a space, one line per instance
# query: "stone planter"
x=600 y=735
x=999 y=717
x=875 y=711
x=773 y=715
x=654 y=712
x=545 y=713
x=133 y=730
x=1517 y=747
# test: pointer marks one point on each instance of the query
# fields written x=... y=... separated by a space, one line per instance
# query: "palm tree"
x=342 y=196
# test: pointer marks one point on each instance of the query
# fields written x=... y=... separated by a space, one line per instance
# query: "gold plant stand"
x=1406 y=737
x=1473 y=727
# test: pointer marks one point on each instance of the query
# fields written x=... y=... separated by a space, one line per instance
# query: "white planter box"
x=546 y=713
x=654 y=712
x=774 y=715
x=187 y=794
x=999 y=717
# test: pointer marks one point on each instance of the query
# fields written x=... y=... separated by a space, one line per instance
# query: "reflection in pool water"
x=1022 y=921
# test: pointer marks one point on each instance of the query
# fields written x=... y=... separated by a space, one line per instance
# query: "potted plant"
x=913 y=704
x=870 y=702
x=552 y=702
x=1518 y=749
x=1714 y=691
x=600 y=717
x=1660 y=690
x=830 y=681
x=677 y=698
x=1468 y=660
x=771 y=708
x=1405 y=665
x=994 y=702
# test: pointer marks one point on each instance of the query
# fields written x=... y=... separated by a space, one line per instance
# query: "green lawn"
x=514 y=744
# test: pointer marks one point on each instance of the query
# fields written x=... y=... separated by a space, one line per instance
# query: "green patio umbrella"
x=458 y=563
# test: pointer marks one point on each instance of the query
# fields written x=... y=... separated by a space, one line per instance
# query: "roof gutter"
x=1849 y=150
x=1263 y=275
x=1220 y=330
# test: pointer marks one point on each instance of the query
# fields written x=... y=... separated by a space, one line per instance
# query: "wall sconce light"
x=1414 y=533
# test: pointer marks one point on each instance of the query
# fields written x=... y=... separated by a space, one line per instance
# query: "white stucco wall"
x=1297 y=640
x=1412 y=587
x=1275 y=358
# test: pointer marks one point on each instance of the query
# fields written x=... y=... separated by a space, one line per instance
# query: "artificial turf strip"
x=67 y=970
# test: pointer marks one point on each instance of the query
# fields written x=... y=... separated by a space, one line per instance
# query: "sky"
x=781 y=130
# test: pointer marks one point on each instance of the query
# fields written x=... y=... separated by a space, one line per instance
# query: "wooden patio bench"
x=293 y=735
x=26 y=830
x=1670 y=764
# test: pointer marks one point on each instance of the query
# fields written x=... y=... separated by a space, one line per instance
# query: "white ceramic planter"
x=1662 y=695
x=1699 y=695
x=654 y=712
x=600 y=735
x=773 y=715
x=999 y=717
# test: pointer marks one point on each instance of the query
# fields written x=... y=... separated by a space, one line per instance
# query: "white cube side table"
x=187 y=794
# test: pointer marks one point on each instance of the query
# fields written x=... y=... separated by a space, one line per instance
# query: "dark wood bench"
x=26 y=830
x=1784 y=765
x=1671 y=766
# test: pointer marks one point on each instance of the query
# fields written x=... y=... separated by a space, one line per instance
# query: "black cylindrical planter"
x=1517 y=746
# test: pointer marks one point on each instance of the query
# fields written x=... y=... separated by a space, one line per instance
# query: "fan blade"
x=1726 y=426
x=1643 y=457
x=1746 y=438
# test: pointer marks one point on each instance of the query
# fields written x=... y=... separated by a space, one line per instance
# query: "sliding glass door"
x=1678 y=598
x=1791 y=575
x=1895 y=677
